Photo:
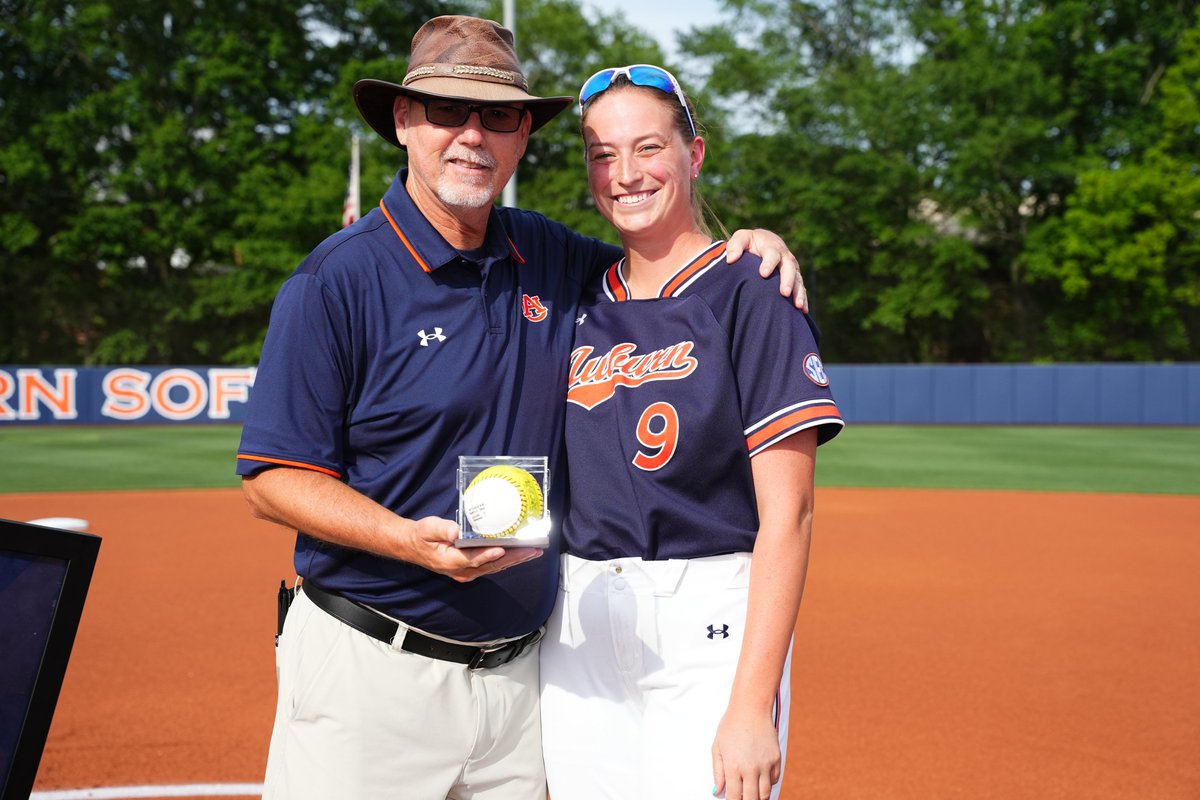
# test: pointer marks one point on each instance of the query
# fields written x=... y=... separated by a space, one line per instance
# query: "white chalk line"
x=183 y=790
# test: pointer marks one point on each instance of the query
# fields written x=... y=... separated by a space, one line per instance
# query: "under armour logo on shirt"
x=714 y=631
x=426 y=337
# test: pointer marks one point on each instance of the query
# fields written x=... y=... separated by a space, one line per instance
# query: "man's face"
x=456 y=168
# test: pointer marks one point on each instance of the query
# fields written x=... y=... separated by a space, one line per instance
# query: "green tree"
x=914 y=149
x=965 y=180
x=840 y=163
x=1123 y=261
x=163 y=165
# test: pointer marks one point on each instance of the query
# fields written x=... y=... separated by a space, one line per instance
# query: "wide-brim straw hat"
x=459 y=58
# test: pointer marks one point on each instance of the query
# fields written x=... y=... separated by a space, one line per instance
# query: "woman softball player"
x=696 y=402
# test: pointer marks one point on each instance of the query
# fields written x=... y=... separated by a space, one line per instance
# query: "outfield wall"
x=1018 y=394
x=959 y=394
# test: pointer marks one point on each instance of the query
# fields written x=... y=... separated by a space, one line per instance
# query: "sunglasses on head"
x=453 y=113
x=639 y=75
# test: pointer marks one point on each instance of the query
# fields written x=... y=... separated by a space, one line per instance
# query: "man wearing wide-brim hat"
x=437 y=326
x=458 y=58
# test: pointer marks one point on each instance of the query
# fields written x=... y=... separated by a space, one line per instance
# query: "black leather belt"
x=379 y=627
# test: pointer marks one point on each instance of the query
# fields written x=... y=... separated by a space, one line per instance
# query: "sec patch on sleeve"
x=815 y=370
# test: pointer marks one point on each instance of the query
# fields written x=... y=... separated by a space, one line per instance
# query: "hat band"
x=468 y=71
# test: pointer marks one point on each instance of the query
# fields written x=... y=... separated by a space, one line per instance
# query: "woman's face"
x=640 y=168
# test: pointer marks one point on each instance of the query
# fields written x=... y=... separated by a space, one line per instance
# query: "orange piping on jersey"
x=516 y=253
x=285 y=463
x=756 y=439
x=614 y=282
x=403 y=238
x=691 y=269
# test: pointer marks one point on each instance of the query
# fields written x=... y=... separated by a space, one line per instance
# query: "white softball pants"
x=637 y=666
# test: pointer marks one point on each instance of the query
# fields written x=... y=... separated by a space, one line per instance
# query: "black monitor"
x=44 y=578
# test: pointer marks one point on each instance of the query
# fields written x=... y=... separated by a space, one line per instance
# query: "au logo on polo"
x=532 y=308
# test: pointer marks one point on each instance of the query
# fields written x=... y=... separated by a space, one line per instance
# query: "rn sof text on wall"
x=100 y=395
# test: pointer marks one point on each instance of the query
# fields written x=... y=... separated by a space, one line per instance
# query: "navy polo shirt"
x=388 y=356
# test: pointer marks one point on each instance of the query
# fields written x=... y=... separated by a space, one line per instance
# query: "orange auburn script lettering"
x=594 y=380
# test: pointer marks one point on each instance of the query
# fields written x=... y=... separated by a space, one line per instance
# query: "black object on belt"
x=379 y=627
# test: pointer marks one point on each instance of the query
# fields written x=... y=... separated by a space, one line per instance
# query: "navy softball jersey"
x=668 y=400
x=389 y=355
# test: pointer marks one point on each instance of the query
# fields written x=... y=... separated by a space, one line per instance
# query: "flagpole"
x=509 y=198
x=351 y=209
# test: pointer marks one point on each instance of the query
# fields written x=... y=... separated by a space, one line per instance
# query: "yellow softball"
x=501 y=499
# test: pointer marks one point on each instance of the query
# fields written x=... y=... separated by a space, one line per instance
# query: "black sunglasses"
x=453 y=113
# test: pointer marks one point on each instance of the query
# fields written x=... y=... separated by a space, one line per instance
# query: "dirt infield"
x=950 y=645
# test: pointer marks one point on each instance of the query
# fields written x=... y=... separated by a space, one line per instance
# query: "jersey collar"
x=423 y=242
x=617 y=289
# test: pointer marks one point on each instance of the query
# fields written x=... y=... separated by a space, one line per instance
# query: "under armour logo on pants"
x=723 y=631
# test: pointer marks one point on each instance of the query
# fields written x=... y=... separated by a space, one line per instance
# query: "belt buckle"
x=477 y=660
x=505 y=652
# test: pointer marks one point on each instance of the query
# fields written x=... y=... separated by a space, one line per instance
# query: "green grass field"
x=1091 y=459
x=1141 y=460
x=67 y=458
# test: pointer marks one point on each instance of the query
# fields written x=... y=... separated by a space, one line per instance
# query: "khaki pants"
x=359 y=719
